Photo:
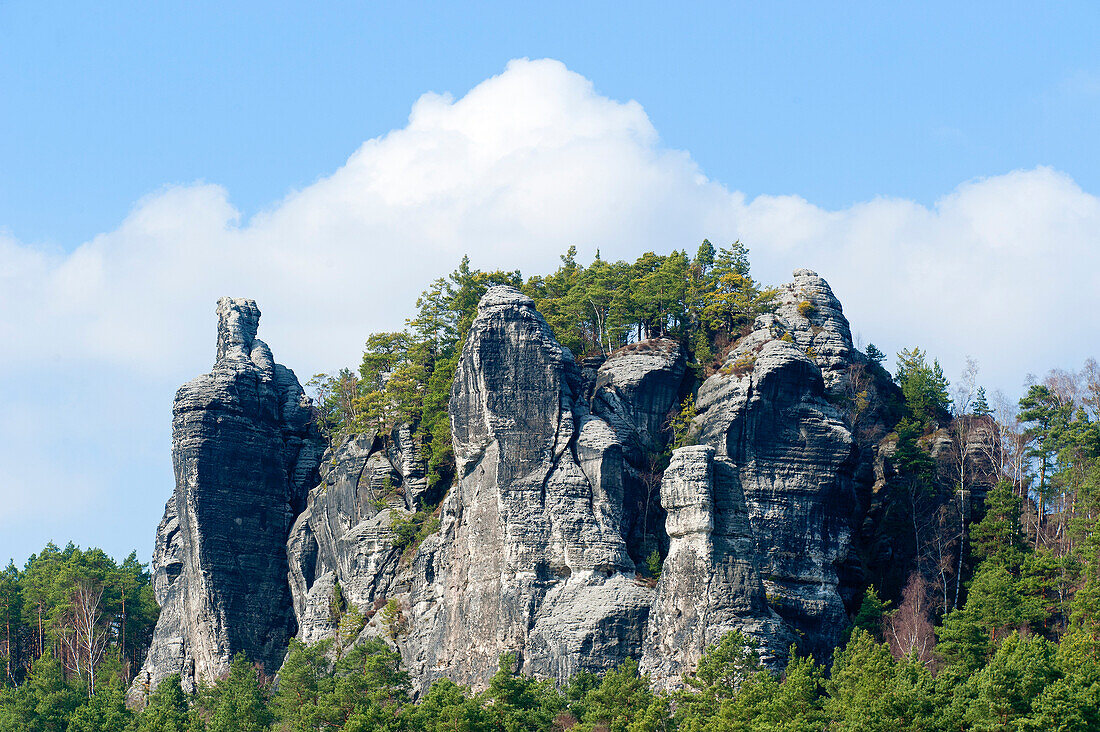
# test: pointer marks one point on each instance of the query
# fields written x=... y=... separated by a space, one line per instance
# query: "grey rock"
x=558 y=499
x=344 y=536
x=710 y=582
x=787 y=450
x=244 y=452
x=530 y=558
x=636 y=391
x=636 y=388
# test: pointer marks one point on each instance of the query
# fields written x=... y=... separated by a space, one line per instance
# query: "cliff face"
x=244 y=452
x=531 y=557
x=560 y=496
x=710 y=583
x=761 y=516
x=345 y=534
x=635 y=390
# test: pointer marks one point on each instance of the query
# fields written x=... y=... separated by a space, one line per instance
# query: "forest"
x=994 y=624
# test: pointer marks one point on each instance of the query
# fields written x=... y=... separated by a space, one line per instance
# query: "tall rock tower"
x=245 y=453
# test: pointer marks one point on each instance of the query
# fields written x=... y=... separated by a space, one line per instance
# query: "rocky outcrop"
x=244 y=452
x=530 y=558
x=635 y=391
x=559 y=499
x=710 y=582
x=780 y=425
x=344 y=537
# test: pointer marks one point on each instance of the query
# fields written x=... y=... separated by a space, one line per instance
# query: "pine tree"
x=240 y=705
x=875 y=354
x=981 y=405
x=1045 y=412
x=166 y=709
x=924 y=387
x=105 y=711
x=998 y=537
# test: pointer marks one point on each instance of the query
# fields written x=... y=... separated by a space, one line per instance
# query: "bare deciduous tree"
x=908 y=629
x=970 y=436
x=87 y=638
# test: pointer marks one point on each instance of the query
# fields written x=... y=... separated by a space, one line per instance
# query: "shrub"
x=741 y=366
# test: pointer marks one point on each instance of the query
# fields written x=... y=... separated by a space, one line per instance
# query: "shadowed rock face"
x=781 y=430
x=635 y=390
x=345 y=533
x=244 y=453
x=710 y=582
x=530 y=558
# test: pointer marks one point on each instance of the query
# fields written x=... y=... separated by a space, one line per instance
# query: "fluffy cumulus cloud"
x=525 y=164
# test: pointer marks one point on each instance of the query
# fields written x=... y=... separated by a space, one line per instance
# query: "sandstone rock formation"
x=245 y=452
x=710 y=583
x=531 y=557
x=558 y=500
x=635 y=390
x=344 y=535
x=777 y=418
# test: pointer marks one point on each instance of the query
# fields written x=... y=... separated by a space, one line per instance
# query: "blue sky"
x=940 y=166
x=836 y=102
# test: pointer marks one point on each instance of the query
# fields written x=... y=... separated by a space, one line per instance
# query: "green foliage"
x=622 y=702
x=859 y=686
x=337 y=605
x=167 y=709
x=365 y=691
x=393 y=619
x=998 y=538
x=409 y=530
x=447 y=707
x=981 y=407
x=239 y=702
x=723 y=667
x=405 y=377
x=1046 y=415
x=1001 y=693
x=681 y=422
x=653 y=563
x=996 y=604
x=105 y=711
x=875 y=354
x=349 y=626
x=924 y=388
x=36 y=614
x=765 y=702
x=518 y=703
x=46 y=701
x=870 y=616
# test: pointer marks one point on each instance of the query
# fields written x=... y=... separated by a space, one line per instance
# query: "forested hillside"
x=979 y=607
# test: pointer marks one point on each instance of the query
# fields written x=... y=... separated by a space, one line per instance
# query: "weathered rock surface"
x=710 y=583
x=636 y=387
x=784 y=445
x=245 y=452
x=530 y=558
x=557 y=502
x=344 y=536
x=635 y=390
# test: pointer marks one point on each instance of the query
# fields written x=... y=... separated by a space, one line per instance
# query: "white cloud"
x=525 y=164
